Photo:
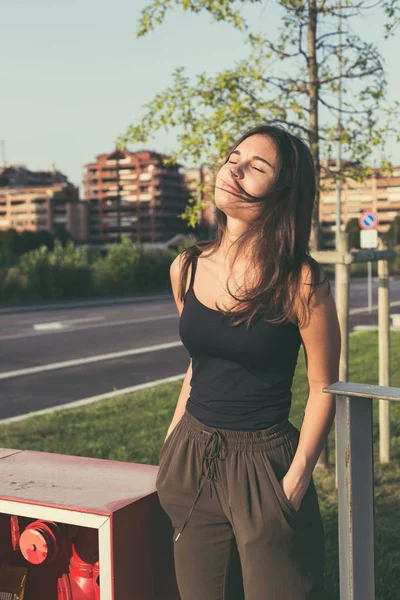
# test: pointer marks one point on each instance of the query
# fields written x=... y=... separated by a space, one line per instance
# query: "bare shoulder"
x=176 y=266
x=314 y=296
x=322 y=290
x=175 y=271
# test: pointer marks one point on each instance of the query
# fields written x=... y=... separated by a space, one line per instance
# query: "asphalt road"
x=54 y=356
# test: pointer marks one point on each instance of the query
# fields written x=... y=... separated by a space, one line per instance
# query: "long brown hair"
x=282 y=231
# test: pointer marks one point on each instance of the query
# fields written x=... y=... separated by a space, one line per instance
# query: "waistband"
x=272 y=436
x=218 y=442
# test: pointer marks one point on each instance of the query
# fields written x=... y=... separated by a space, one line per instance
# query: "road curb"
x=84 y=303
x=92 y=399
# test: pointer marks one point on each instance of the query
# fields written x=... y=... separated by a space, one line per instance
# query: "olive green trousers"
x=236 y=535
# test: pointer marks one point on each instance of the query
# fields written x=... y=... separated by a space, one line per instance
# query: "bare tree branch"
x=349 y=75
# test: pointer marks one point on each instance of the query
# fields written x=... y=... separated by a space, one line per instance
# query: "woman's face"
x=250 y=169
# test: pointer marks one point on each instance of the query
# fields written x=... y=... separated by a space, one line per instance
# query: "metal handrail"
x=355 y=464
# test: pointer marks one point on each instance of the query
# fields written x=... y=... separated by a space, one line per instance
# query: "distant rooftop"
x=18 y=175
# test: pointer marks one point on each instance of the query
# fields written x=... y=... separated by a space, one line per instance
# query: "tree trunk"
x=323 y=460
x=314 y=134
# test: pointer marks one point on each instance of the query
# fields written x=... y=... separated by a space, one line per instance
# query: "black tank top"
x=241 y=379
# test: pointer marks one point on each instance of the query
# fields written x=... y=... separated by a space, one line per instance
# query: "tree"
x=394 y=231
x=213 y=110
x=353 y=228
x=9 y=241
x=62 y=234
x=27 y=241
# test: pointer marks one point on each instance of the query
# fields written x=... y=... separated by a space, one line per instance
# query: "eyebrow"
x=255 y=158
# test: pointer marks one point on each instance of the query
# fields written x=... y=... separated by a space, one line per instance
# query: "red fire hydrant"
x=82 y=581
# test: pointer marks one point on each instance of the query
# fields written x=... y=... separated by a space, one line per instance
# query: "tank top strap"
x=194 y=266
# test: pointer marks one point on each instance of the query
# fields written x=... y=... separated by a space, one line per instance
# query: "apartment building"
x=379 y=192
x=135 y=194
x=40 y=200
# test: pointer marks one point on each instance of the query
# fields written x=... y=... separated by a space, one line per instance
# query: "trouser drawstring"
x=214 y=442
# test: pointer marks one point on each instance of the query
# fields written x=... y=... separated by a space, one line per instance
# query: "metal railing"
x=355 y=466
x=343 y=258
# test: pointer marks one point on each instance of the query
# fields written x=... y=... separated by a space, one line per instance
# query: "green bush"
x=43 y=274
x=116 y=273
x=15 y=286
x=128 y=269
x=69 y=272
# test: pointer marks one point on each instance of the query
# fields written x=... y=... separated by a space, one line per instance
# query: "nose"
x=235 y=171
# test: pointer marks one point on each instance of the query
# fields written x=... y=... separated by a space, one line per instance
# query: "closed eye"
x=255 y=168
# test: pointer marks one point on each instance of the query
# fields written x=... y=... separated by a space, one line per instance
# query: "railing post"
x=356 y=497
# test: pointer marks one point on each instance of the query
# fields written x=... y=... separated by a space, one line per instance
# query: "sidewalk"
x=82 y=303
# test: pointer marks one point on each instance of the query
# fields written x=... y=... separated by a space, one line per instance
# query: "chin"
x=227 y=206
x=225 y=199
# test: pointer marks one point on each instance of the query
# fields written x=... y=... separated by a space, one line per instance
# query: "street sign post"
x=368 y=238
x=368 y=221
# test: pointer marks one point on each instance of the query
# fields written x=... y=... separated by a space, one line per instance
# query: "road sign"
x=368 y=238
x=368 y=219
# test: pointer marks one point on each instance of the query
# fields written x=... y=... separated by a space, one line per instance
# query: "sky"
x=74 y=75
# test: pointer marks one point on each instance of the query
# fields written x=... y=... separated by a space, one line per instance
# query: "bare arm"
x=185 y=390
x=181 y=404
x=322 y=344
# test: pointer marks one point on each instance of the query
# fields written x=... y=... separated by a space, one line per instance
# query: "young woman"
x=235 y=475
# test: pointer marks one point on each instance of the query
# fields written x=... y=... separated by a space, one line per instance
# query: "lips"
x=229 y=188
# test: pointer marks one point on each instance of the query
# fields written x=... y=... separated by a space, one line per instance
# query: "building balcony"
x=393 y=196
x=145 y=177
x=127 y=176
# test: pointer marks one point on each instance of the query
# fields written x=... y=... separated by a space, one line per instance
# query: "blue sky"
x=74 y=75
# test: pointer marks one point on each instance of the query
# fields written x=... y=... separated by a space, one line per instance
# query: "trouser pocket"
x=277 y=461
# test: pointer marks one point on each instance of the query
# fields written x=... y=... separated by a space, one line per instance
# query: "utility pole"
x=117 y=157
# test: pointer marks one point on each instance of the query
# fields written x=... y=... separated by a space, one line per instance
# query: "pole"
x=343 y=295
x=118 y=200
x=384 y=355
x=369 y=286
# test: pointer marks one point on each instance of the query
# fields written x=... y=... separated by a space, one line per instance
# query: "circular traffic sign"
x=368 y=219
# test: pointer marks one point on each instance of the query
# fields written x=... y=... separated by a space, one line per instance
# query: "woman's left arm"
x=322 y=346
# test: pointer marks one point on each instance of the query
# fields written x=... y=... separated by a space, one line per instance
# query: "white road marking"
x=48 y=326
x=92 y=399
x=91 y=359
x=15 y=336
x=67 y=322
x=63 y=323
x=357 y=311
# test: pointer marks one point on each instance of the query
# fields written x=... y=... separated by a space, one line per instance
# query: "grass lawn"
x=132 y=428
